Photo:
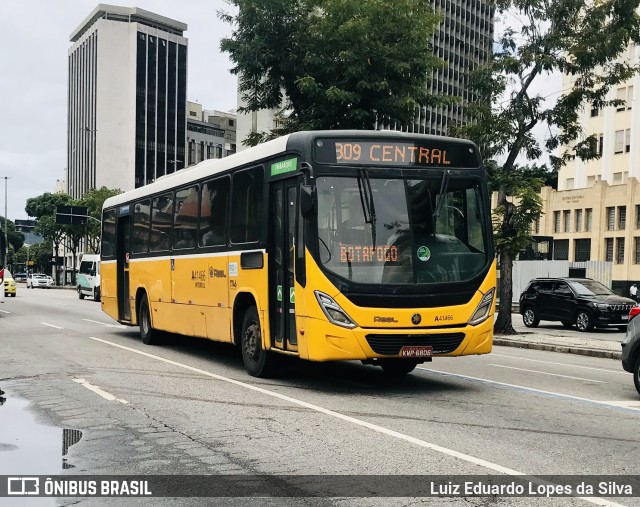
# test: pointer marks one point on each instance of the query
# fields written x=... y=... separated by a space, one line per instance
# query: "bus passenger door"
x=123 y=248
x=282 y=260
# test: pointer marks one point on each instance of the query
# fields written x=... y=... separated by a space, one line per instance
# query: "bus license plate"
x=424 y=351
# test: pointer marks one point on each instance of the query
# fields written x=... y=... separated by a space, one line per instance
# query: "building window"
x=619 y=144
x=619 y=250
x=636 y=256
x=600 y=144
x=622 y=217
x=637 y=216
x=566 y=221
x=588 y=219
x=629 y=97
x=193 y=113
x=591 y=180
x=556 y=221
x=617 y=178
x=231 y=122
x=627 y=140
x=537 y=226
x=578 y=220
x=582 y=249
x=608 y=249
x=561 y=250
x=569 y=184
x=622 y=96
x=594 y=112
x=611 y=218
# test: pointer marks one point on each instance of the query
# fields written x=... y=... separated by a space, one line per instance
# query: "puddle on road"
x=30 y=448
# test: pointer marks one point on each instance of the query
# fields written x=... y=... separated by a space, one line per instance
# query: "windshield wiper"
x=444 y=184
x=368 y=206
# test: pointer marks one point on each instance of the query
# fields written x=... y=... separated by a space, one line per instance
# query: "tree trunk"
x=503 y=324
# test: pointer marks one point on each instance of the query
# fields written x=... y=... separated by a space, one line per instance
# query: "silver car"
x=39 y=280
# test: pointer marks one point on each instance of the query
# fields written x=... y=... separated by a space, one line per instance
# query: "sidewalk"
x=553 y=337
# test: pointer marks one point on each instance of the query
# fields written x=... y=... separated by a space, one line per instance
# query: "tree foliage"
x=587 y=41
x=16 y=239
x=333 y=64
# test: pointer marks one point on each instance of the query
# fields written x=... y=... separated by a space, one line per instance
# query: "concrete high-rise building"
x=464 y=41
x=126 y=99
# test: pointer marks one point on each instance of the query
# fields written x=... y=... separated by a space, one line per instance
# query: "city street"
x=188 y=407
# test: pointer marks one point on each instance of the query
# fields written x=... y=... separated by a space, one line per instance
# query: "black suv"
x=580 y=301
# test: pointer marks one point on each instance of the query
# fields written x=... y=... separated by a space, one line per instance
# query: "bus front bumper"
x=328 y=342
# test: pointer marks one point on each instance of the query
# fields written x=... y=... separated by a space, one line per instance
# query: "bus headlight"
x=332 y=310
x=484 y=307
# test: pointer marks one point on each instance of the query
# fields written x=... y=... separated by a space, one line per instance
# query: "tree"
x=333 y=63
x=583 y=40
x=93 y=200
x=43 y=209
x=16 y=239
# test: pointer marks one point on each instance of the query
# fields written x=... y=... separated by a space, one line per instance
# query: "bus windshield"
x=402 y=231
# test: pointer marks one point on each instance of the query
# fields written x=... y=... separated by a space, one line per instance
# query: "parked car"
x=20 y=277
x=635 y=310
x=9 y=284
x=631 y=351
x=39 y=280
x=580 y=301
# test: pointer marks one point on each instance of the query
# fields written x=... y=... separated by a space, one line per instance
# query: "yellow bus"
x=329 y=245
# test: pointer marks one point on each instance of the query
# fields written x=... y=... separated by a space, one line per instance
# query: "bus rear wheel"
x=398 y=367
x=258 y=361
x=149 y=335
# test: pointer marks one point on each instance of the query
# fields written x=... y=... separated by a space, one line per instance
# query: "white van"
x=89 y=277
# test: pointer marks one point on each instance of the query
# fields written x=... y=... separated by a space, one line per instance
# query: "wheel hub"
x=252 y=341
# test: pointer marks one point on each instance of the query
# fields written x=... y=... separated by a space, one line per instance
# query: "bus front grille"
x=390 y=344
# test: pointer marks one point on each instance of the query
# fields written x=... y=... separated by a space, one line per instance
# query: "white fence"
x=524 y=271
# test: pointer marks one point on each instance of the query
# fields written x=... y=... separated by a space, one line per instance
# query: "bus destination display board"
x=427 y=153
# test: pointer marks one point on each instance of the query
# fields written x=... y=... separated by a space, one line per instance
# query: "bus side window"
x=213 y=212
x=161 y=222
x=246 y=203
x=185 y=222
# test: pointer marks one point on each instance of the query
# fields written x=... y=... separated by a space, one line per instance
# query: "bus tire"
x=258 y=361
x=96 y=294
x=398 y=367
x=80 y=294
x=149 y=335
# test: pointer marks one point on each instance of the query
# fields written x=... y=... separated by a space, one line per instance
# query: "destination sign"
x=427 y=153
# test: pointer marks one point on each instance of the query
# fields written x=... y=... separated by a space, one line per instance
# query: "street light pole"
x=6 y=219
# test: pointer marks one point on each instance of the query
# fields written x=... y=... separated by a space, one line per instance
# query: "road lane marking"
x=359 y=422
x=51 y=325
x=559 y=364
x=4 y=311
x=546 y=373
x=531 y=389
x=103 y=323
x=98 y=391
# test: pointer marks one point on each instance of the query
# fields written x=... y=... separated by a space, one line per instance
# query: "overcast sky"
x=34 y=43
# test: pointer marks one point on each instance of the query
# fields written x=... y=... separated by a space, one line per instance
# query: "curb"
x=567 y=349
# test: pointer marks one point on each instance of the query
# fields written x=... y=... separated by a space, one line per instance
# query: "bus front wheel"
x=149 y=335
x=258 y=361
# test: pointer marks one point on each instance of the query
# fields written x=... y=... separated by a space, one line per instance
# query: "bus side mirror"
x=307 y=200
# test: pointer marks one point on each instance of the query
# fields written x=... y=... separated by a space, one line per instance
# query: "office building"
x=595 y=213
x=126 y=99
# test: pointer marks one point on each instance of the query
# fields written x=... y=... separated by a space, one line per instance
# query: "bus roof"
x=290 y=142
